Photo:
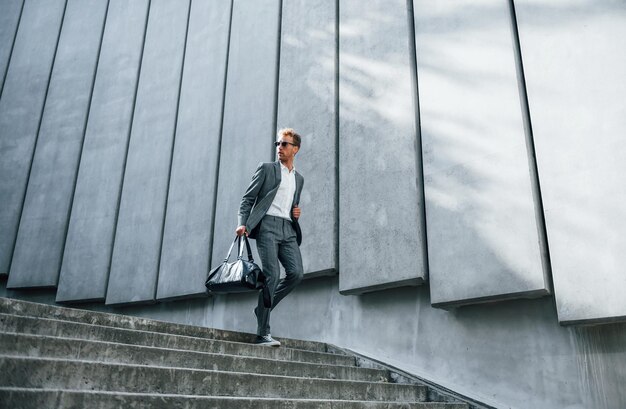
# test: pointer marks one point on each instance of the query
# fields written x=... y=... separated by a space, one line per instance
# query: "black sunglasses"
x=283 y=144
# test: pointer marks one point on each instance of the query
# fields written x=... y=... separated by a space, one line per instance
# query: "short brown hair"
x=291 y=132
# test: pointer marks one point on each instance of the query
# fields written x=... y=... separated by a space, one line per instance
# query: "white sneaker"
x=266 y=340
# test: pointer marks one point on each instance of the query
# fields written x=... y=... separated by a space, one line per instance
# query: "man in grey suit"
x=269 y=213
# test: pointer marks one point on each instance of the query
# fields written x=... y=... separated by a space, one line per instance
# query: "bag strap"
x=231 y=249
x=240 y=247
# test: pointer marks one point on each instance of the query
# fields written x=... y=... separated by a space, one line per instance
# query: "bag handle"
x=240 y=248
x=231 y=249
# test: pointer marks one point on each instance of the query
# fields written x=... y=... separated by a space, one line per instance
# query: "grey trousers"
x=276 y=242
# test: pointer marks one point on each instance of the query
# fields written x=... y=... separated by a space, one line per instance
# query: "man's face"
x=285 y=149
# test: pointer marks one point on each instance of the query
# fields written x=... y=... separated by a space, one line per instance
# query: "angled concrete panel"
x=87 y=254
x=575 y=65
x=21 y=105
x=249 y=110
x=10 y=12
x=185 y=254
x=306 y=102
x=381 y=230
x=483 y=238
x=139 y=231
x=43 y=225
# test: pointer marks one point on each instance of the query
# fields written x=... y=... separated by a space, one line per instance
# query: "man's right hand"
x=241 y=230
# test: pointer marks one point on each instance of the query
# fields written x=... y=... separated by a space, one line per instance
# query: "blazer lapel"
x=277 y=174
x=262 y=205
x=266 y=201
x=296 y=196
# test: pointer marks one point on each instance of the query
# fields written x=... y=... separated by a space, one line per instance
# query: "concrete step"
x=25 y=345
x=69 y=358
x=25 y=308
x=23 y=398
x=66 y=329
x=50 y=373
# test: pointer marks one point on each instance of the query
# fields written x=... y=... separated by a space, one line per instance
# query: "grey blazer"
x=260 y=194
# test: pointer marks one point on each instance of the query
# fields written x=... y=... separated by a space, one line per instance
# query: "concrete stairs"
x=54 y=357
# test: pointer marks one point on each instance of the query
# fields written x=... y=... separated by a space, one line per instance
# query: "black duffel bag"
x=237 y=276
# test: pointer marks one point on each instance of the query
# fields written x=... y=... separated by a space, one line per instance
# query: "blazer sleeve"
x=251 y=194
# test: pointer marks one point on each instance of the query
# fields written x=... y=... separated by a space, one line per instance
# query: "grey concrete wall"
x=47 y=203
x=249 y=110
x=89 y=241
x=575 y=65
x=483 y=234
x=511 y=355
x=185 y=254
x=306 y=101
x=139 y=232
x=381 y=226
x=10 y=13
x=23 y=96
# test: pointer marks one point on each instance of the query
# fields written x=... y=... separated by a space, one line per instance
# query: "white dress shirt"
x=281 y=206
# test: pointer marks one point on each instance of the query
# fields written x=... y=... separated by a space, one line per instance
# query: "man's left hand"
x=296 y=212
